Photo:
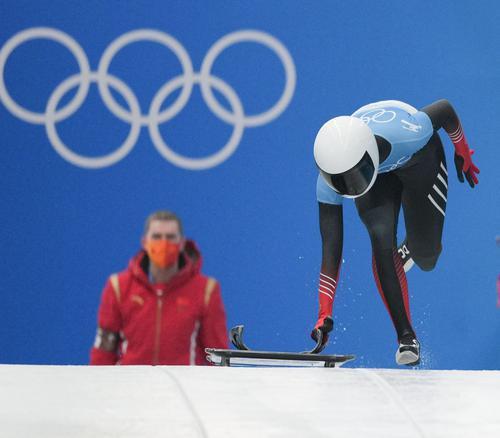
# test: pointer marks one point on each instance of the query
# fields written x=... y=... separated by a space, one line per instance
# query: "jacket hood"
x=190 y=262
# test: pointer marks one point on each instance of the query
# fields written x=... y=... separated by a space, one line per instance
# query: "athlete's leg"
x=425 y=189
x=379 y=210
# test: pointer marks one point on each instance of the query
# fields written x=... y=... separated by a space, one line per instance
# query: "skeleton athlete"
x=386 y=155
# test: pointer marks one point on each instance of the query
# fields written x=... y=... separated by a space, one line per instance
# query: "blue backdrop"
x=80 y=172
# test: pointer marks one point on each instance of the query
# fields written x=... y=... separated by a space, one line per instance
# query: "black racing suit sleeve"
x=442 y=115
x=332 y=237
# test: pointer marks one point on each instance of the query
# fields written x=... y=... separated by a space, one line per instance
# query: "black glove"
x=320 y=333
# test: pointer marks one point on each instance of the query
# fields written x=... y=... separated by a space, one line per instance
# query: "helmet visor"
x=356 y=180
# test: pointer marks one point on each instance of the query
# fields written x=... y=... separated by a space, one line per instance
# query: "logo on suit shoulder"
x=137 y=299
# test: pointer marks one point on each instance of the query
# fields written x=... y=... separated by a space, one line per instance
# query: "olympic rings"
x=154 y=117
x=198 y=163
x=92 y=162
x=145 y=35
x=273 y=44
x=69 y=43
x=378 y=116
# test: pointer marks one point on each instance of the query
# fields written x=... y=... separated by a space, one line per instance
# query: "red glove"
x=463 y=161
x=326 y=295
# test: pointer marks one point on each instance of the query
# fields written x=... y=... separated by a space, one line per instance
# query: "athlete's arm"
x=443 y=115
x=332 y=232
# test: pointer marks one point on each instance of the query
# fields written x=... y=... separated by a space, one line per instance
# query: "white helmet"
x=347 y=155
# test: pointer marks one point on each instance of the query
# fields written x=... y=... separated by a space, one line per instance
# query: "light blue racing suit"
x=405 y=128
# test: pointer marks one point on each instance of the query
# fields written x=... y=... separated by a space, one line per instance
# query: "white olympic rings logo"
x=399 y=163
x=155 y=115
x=378 y=116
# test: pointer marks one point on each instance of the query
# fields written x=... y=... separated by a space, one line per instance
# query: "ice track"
x=178 y=402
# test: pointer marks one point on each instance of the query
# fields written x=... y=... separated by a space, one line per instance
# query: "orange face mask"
x=163 y=253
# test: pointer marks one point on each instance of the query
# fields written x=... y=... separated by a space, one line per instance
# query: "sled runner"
x=245 y=356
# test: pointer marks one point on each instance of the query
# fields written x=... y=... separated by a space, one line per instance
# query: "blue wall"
x=65 y=228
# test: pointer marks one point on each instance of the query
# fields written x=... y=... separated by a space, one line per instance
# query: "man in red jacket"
x=161 y=310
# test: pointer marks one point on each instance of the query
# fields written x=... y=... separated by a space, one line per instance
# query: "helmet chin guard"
x=346 y=152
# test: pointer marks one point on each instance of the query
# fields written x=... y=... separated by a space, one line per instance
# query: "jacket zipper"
x=159 y=306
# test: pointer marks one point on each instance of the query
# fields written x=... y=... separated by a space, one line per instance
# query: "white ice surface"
x=100 y=402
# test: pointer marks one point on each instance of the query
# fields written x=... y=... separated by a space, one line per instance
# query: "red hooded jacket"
x=161 y=324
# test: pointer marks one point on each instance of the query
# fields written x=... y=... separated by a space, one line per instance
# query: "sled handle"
x=319 y=347
x=236 y=336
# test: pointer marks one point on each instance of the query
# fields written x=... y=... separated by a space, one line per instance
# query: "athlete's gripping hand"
x=323 y=326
